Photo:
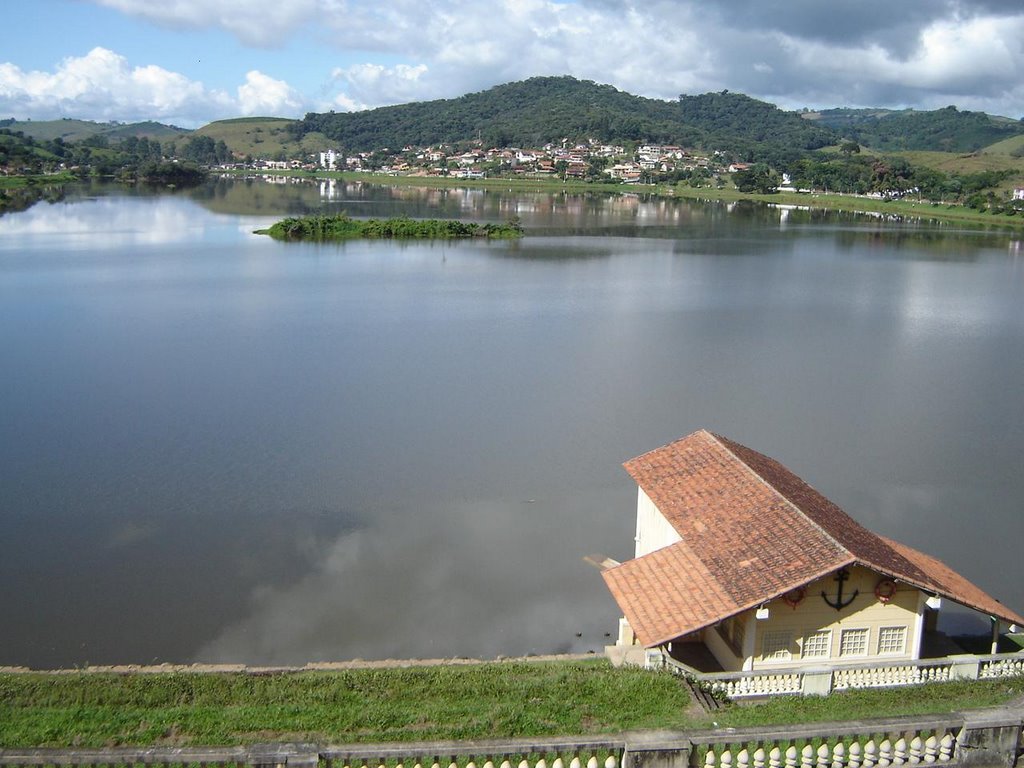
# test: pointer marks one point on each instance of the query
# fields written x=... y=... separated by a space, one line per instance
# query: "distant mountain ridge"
x=533 y=112
x=941 y=130
x=72 y=130
x=547 y=109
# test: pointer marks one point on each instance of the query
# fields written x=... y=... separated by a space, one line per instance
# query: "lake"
x=215 y=447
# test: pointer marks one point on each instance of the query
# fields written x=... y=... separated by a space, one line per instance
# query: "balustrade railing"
x=838 y=677
x=983 y=737
x=1001 y=667
x=856 y=753
x=540 y=755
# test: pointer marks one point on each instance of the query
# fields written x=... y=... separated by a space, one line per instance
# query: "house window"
x=732 y=630
x=892 y=640
x=775 y=646
x=853 y=642
x=818 y=645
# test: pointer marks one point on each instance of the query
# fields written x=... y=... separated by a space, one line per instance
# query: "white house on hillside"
x=330 y=159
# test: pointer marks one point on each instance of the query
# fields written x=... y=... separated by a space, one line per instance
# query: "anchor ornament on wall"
x=841 y=576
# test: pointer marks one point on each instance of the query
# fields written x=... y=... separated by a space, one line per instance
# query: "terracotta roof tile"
x=751 y=530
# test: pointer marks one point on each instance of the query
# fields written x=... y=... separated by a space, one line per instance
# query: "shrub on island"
x=342 y=227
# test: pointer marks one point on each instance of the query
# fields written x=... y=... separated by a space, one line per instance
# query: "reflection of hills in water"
x=560 y=214
x=23 y=198
x=695 y=226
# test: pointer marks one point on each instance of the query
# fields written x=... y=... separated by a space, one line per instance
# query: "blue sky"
x=188 y=62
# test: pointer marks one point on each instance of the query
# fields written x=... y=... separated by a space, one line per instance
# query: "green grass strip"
x=443 y=702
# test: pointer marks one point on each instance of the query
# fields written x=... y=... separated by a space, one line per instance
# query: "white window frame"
x=826 y=635
x=902 y=630
x=775 y=645
x=865 y=632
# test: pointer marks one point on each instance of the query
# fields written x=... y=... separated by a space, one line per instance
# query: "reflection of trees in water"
x=23 y=198
x=694 y=223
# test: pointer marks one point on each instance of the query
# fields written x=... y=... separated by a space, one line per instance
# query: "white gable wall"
x=653 y=531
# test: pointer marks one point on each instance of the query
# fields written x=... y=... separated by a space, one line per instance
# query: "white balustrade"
x=911 y=749
x=993 y=668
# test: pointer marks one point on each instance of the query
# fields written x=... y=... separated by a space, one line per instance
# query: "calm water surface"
x=215 y=447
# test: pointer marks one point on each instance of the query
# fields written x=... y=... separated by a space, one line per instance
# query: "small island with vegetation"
x=342 y=227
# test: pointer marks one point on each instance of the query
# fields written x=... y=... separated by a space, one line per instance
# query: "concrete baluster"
x=916 y=750
x=823 y=754
x=870 y=754
x=575 y=762
x=759 y=757
x=611 y=762
x=899 y=751
x=791 y=757
x=855 y=753
x=931 y=748
x=542 y=763
x=775 y=758
x=709 y=759
x=946 y=745
x=885 y=754
x=743 y=759
x=470 y=764
x=807 y=756
x=726 y=760
x=592 y=762
x=524 y=764
x=506 y=763
x=557 y=763
x=839 y=756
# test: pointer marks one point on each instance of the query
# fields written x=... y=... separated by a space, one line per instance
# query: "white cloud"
x=975 y=64
x=263 y=95
x=103 y=86
x=255 y=22
x=371 y=85
x=362 y=54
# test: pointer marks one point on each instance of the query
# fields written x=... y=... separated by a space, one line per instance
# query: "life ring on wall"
x=794 y=597
x=885 y=589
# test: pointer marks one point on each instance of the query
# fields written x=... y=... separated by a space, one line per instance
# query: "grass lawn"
x=484 y=701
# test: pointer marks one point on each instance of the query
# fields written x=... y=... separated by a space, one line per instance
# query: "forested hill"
x=547 y=109
x=940 y=130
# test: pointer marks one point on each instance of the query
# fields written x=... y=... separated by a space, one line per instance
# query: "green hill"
x=940 y=130
x=548 y=109
x=264 y=137
x=71 y=130
x=1012 y=147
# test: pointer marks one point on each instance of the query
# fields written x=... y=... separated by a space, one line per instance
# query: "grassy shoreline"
x=21 y=182
x=440 y=702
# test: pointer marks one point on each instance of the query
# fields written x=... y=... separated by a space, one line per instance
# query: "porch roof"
x=751 y=531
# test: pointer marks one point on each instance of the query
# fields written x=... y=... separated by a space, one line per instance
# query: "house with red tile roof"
x=742 y=567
